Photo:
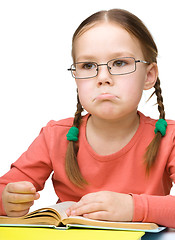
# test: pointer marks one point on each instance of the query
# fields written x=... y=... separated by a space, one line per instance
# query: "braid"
x=71 y=164
x=158 y=93
x=152 y=149
x=77 y=117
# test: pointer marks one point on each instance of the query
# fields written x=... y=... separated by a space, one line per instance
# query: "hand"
x=104 y=205
x=18 y=197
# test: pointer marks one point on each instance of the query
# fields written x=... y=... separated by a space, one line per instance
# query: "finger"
x=74 y=207
x=96 y=197
x=87 y=208
x=87 y=199
x=18 y=214
x=22 y=198
x=99 y=215
x=21 y=187
x=19 y=207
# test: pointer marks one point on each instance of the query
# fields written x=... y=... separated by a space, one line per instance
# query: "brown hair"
x=134 y=26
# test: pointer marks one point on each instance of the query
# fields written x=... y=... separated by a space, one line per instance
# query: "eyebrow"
x=112 y=56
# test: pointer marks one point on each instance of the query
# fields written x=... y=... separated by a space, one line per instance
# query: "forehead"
x=104 y=40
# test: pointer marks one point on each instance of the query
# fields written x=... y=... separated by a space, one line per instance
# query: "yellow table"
x=24 y=233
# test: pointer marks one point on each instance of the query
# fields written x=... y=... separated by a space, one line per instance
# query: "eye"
x=119 y=63
x=88 y=66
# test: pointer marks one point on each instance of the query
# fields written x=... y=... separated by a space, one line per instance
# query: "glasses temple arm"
x=142 y=61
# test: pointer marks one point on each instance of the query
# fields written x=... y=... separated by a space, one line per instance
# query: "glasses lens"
x=122 y=66
x=84 y=70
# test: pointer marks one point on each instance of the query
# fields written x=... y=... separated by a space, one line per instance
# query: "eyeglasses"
x=118 y=66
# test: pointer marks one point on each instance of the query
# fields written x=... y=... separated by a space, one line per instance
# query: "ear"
x=151 y=76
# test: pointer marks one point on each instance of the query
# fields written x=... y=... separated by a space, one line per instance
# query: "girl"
x=117 y=164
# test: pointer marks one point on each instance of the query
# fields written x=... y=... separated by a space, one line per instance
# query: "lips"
x=105 y=96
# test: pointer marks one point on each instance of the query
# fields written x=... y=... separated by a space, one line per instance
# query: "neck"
x=107 y=129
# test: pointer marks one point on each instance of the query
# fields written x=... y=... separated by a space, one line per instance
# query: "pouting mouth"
x=105 y=96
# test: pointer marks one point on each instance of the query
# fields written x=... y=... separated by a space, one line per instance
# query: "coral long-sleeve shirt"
x=123 y=171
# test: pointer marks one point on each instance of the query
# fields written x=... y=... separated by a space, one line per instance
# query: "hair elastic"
x=72 y=135
x=161 y=126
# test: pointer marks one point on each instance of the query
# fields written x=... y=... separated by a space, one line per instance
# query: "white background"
x=35 y=52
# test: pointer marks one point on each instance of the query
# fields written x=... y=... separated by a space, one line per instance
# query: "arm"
x=158 y=209
x=34 y=166
x=112 y=206
x=146 y=208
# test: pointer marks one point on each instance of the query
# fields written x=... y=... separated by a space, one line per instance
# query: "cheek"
x=132 y=88
x=84 y=92
x=83 y=88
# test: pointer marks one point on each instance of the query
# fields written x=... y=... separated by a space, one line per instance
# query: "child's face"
x=109 y=96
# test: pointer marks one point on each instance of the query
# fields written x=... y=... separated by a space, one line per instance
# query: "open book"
x=55 y=216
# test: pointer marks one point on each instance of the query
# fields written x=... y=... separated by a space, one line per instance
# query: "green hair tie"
x=72 y=135
x=161 y=126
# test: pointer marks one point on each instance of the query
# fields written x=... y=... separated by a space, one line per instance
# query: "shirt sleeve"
x=158 y=209
x=34 y=166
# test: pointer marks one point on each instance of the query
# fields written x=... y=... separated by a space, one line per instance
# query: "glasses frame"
x=108 y=67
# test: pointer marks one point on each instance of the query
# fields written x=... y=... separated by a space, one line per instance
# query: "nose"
x=103 y=76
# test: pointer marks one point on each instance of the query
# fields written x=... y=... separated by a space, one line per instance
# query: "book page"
x=123 y=225
x=49 y=215
x=62 y=207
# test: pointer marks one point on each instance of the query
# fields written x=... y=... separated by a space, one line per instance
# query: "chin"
x=106 y=112
x=107 y=115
